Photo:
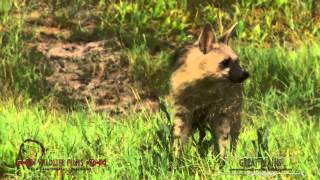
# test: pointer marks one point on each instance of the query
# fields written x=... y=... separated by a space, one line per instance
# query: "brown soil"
x=89 y=73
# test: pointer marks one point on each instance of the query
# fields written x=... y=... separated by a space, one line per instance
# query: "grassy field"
x=280 y=49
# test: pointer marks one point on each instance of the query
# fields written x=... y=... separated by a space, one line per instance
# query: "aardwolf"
x=206 y=91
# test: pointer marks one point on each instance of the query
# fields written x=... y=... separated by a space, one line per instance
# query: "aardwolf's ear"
x=206 y=39
x=225 y=37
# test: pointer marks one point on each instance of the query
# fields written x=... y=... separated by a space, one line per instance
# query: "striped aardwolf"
x=206 y=91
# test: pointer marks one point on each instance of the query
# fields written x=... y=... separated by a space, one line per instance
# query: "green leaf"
x=257 y=30
x=5 y=6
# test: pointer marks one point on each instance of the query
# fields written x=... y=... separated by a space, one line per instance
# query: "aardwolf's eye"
x=225 y=63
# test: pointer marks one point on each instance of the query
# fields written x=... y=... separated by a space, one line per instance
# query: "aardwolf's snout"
x=244 y=76
x=237 y=74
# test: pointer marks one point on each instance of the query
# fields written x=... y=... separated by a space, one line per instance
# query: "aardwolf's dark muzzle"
x=244 y=76
x=238 y=75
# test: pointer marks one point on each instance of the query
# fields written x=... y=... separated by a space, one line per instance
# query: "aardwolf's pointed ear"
x=225 y=37
x=206 y=38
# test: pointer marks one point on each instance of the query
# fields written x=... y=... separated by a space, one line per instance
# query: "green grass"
x=133 y=150
x=283 y=93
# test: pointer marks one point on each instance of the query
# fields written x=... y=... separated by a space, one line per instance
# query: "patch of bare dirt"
x=90 y=73
x=96 y=74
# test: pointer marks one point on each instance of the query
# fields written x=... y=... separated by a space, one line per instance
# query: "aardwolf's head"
x=209 y=58
x=225 y=61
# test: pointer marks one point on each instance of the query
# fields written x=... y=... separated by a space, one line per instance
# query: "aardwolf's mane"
x=179 y=56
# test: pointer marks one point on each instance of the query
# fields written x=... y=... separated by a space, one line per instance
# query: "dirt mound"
x=93 y=73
